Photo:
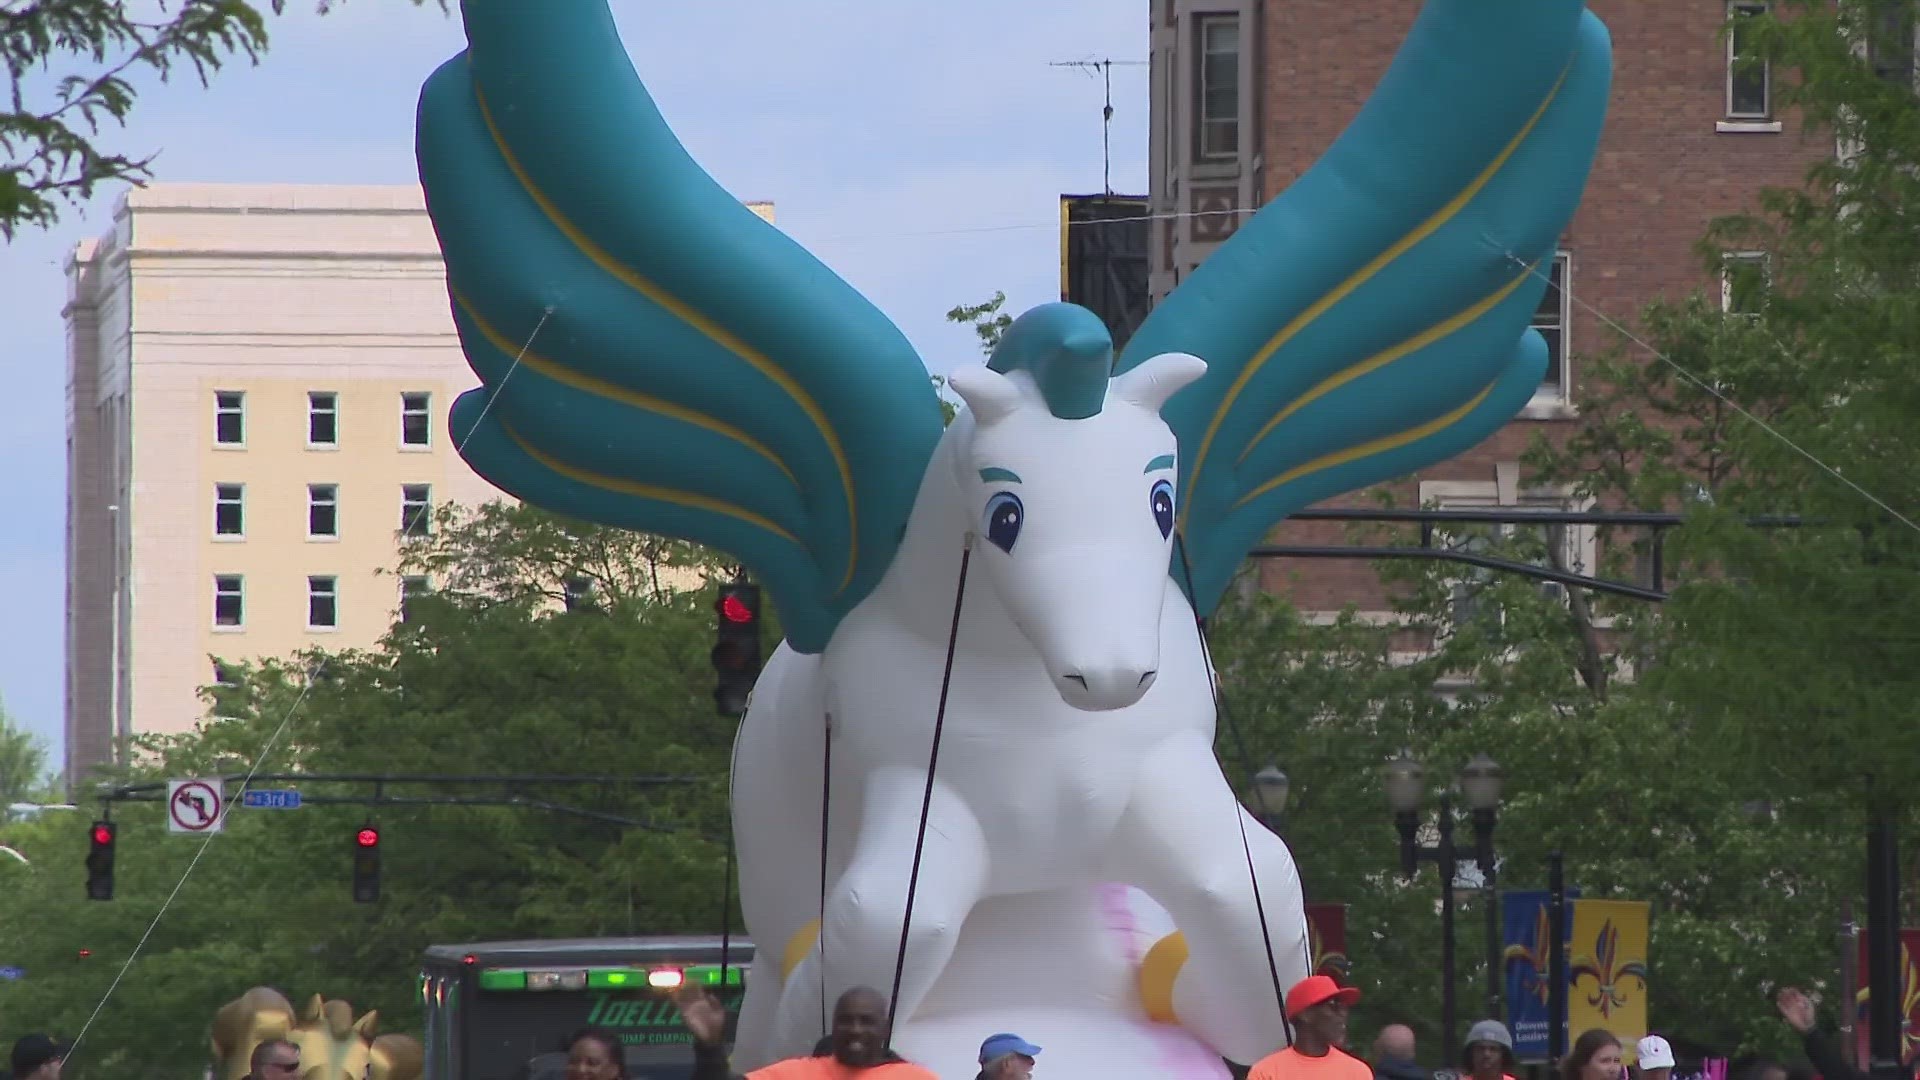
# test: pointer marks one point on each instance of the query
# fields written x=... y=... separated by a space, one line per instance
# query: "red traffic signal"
x=367 y=838
x=735 y=609
x=103 y=834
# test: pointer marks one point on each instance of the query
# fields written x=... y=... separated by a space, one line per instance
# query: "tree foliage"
x=23 y=764
x=72 y=67
x=491 y=675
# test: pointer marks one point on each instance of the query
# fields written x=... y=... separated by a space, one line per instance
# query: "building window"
x=323 y=603
x=1217 y=95
x=323 y=418
x=229 y=418
x=412 y=587
x=229 y=600
x=416 y=426
x=1551 y=319
x=323 y=510
x=1744 y=278
x=229 y=510
x=223 y=675
x=1573 y=548
x=1890 y=42
x=416 y=509
x=1749 y=80
x=579 y=593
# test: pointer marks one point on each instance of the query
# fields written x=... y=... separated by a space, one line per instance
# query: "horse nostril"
x=1081 y=679
x=1148 y=677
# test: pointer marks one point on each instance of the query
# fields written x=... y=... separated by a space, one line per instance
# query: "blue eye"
x=1162 y=499
x=1003 y=518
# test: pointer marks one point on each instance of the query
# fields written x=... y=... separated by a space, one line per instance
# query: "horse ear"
x=1158 y=378
x=988 y=394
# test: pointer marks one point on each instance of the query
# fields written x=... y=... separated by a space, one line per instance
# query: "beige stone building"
x=258 y=380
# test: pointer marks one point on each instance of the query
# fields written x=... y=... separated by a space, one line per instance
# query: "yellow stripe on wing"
x=685 y=313
x=1368 y=449
x=1381 y=359
x=603 y=389
x=1360 y=277
x=647 y=491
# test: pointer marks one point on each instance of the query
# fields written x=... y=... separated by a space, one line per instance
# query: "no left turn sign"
x=193 y=806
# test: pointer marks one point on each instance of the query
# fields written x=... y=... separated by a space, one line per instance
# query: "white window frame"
x=425 y=412
x=1203 y=24
x=407 y=505
x=221 y=410
x=1727 y=259
x=239 y=593
x=323 y=403
x=1554 y=400
x=1765 y=115
x=239 y=503
x=323 y=495
x=1581 y=542
x=323 y=587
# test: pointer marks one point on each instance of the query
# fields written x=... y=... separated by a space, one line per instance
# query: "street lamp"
x=1479 y=783
x=1270 y=790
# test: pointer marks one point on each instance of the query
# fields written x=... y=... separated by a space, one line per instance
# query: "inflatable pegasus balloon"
x=657 y=357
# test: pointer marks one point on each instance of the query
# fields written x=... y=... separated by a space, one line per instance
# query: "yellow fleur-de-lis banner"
x=1607 y=970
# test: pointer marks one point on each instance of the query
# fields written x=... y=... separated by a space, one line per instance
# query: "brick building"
x=1247 y=94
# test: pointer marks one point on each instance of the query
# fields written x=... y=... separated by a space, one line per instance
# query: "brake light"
x=665 y=978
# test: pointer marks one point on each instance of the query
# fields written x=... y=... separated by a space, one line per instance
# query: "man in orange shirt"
x=860 y=1043
x=1317 y=1006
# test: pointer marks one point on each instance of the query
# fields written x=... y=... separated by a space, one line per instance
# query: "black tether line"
x=926 y=800
x=826 y=807
x=1246 y=848
x=726 y=912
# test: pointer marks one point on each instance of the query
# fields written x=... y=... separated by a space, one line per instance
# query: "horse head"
x=1069 y=475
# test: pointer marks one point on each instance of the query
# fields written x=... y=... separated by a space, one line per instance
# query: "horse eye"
x=1162 y=500
x=1003 y=518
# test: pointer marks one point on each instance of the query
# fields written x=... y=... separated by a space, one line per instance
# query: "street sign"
x=193 y=806
x=271 y=799
x=10 y=974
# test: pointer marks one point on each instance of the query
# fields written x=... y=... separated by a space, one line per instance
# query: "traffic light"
x=736 y=651
x=366 y=865
x=100 y=861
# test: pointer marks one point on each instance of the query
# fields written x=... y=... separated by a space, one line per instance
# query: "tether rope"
x=1240 y=818
x=926 y=800
x=826 y=816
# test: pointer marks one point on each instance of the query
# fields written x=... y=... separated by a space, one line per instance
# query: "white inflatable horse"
x=657 y=357
x=1093 y=764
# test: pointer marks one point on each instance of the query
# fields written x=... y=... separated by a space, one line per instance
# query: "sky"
x=918 y=149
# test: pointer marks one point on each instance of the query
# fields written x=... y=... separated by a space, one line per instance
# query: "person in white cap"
x=1656 y=1058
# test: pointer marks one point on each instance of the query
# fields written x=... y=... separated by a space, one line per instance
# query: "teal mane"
x=1066 y=350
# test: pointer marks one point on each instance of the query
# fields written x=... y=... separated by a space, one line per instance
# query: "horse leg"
x=1179 y=841
x=867 y=906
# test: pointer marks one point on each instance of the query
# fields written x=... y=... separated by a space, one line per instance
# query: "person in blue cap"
x=1006 y=1057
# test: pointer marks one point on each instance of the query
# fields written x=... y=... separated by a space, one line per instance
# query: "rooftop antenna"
x=1105 y=67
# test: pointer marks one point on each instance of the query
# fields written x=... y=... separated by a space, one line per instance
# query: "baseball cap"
x=999 y=1046
x=1655 y=1053
x=1318 y=990
x=33 y=1051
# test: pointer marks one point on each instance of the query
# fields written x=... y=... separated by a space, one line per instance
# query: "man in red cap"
x=1317 y=1007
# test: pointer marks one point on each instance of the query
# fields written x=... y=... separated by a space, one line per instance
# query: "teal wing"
x=1375 y=317
x=654 y=355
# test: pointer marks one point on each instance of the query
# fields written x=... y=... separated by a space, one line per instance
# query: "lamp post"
x=1405 y=781
x=1270 y=790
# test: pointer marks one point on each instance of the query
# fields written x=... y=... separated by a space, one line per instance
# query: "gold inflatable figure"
x=333 y=1045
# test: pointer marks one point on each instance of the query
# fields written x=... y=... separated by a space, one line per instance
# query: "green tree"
x=72 y=66
x=23 y=764
x=490 y=674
